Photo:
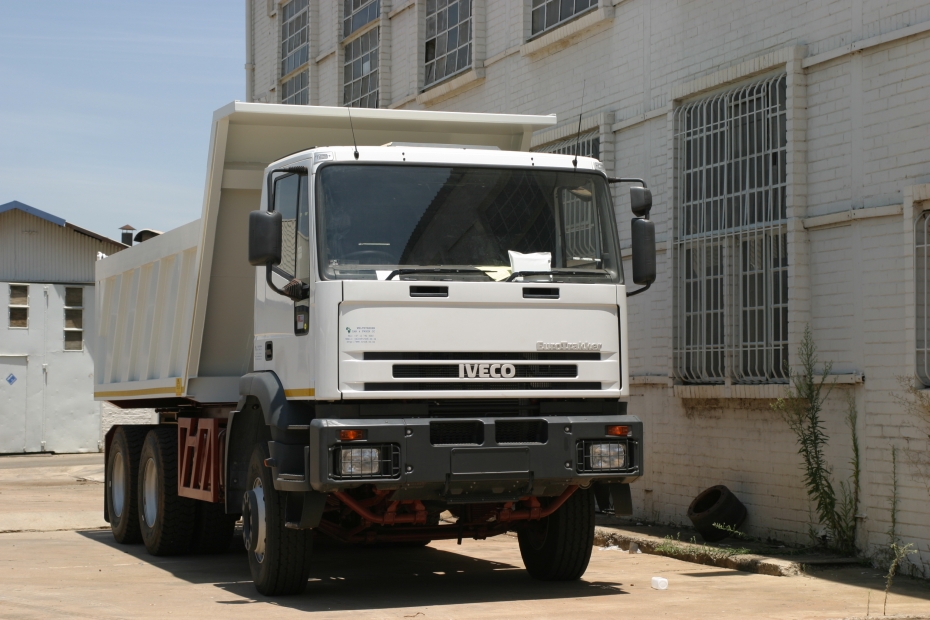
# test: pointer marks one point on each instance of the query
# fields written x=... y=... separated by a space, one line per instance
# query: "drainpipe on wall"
x=249 y=63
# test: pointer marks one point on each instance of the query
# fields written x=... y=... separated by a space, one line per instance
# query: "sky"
x=105 y=107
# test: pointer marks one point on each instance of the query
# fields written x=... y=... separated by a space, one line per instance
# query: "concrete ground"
x=62 y=567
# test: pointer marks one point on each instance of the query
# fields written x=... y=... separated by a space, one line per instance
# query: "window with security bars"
x=74 y=319
x=922 y=271
x=296 y=91
x=548 y=14
x=357 y=13
x=730 y=240
x=360 y=79
x=448 y=38
x=295 y=36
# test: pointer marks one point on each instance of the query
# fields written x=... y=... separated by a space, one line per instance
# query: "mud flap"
x=622 y=499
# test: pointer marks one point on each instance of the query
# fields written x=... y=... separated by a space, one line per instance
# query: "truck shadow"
x=358 y=578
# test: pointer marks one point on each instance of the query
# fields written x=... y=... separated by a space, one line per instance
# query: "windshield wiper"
x=557 y=272
x=414 y=270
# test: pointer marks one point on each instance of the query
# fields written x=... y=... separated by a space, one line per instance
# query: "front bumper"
x=419 y=462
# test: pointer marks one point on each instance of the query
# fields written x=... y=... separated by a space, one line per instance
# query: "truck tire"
x=166 y=520
x=279 y=558
x=122 y=481
x=213 y=528
x=716 y=505
x=558 y=548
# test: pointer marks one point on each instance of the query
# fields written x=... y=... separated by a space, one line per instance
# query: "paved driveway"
x=84 y=573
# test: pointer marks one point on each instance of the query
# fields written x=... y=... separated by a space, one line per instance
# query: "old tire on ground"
x=122 y=481
x=213 y=528
x=716 y=505
x=166 y=520
x=558 y=548
x=279 y=558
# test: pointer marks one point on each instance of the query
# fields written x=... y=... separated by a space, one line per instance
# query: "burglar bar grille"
x=731 y=241
x=922 y=265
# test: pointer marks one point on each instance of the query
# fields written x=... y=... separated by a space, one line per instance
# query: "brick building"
x=788 y=147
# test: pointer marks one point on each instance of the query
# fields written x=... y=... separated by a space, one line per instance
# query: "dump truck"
x=387 y=327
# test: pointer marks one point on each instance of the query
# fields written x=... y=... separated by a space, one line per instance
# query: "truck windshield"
x=420 y=222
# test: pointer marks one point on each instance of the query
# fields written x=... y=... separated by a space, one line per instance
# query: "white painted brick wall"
x=862 y=123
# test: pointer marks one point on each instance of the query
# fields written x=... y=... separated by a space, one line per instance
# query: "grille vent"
x=456 y=433
x=464 y=386
x=524 y=371
x=521 y=431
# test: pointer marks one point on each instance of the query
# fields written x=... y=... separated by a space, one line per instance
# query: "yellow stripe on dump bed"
x=300 y=392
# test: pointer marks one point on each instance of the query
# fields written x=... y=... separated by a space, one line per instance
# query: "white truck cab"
x=437 y=346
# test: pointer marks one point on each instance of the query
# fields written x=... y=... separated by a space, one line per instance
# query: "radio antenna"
x=578 y=135
x=352 y=127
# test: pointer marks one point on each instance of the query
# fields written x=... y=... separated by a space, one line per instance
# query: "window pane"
x=19 y=294
x=74 y=296
x=74 y=318
x=19 y=317
x=74 y=341
x=285 y=202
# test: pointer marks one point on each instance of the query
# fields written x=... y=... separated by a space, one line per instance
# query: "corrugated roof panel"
x=36 y=249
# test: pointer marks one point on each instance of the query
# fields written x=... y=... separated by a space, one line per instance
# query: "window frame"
x=922 y=296
x=303 y=193
x=730 y=236
x=374 y=54
x=471 y=21
x=593 y=6
x=65 y=328
x=300 y=70
x=11 y=306
x=348 y=16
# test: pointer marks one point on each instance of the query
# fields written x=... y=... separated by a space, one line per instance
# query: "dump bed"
x=175 y=313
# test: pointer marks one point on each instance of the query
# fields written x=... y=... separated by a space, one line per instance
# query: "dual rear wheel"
x=143 y=502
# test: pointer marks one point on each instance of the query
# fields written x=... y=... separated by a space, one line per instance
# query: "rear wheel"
x=279 y=558
x=166 y=519
x=122 y=482
x=558 y=548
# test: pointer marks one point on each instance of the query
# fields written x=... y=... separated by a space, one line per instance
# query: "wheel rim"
x=150 y=492
x=117 y=485
x=259 y=491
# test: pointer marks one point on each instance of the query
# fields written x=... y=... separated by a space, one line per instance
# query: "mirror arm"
x=639 y=290
x=613 y=180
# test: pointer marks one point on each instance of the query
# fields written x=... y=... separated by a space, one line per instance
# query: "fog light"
x=360 y=461
x=607 y=456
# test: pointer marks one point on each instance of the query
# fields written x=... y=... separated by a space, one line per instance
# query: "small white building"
x=47 y=336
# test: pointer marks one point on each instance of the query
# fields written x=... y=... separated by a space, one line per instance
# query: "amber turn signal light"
x=353 y=434
x=618 y=431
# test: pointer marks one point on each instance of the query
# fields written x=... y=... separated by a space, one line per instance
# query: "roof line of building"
x=54 y=219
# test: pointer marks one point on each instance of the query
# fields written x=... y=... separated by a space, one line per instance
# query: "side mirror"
x=643 y=233
x=264 y=238
x=640 y=201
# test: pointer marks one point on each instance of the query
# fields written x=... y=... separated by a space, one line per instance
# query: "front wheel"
x=279 y=558
x=558 y=548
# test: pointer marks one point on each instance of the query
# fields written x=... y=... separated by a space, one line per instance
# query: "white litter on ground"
x=659 y=583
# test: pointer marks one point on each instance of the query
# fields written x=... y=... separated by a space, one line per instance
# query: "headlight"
x=360 y=461
x=604 y=456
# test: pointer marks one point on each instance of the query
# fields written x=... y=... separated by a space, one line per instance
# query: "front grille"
x=440 y=356
x=484 y=407
x=456 y=433
x=523 y=371
x=387 y=465
x=521 y=431
x=480 y=385
x=588 y=465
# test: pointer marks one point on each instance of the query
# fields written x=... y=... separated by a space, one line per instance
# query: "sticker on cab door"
x=359 y=335
x=11 y=379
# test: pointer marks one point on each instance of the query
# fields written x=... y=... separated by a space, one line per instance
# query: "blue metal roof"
x=32 y=211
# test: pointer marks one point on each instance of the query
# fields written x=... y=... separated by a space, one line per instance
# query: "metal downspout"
x=249 y=63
